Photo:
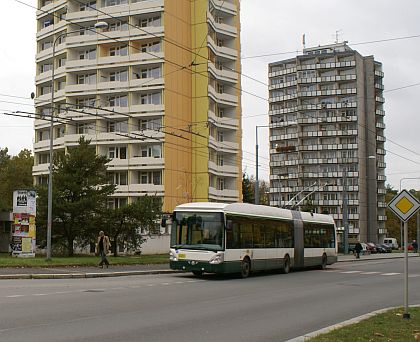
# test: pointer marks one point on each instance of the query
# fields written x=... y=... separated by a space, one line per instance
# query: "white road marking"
x=349 y=272
x=390 y=274
x=15 y=296
x=370 y=272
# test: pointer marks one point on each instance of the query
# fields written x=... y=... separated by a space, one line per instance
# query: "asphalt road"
x=180 y=307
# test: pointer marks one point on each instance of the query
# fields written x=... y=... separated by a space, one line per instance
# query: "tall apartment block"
x=157 y=91
x=327 y=137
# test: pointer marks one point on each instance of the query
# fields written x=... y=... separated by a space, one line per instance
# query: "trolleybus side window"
x=318 y=235
x=244 y=233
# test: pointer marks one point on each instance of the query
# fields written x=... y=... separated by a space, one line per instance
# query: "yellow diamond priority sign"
x=404 y=205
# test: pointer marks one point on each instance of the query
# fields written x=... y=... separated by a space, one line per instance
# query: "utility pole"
x=256 y=187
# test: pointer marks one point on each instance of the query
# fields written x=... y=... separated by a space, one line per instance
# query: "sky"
x=268 y=27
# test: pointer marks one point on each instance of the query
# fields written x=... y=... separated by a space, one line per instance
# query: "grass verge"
x=80 y=260
x=385 y=327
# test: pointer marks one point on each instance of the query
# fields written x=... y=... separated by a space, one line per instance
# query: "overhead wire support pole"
x=51 y=151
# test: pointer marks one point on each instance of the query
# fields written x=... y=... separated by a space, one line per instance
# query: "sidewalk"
x=128 y=270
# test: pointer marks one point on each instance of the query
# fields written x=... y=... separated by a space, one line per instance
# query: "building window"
x=121 y=126
x=118 y=76
x=43 y=135
x=154 y=151
x=117 y=152
x=150 y=177
x=119 y=50
x=115 y=203
x=153 y=124
x=118 y=178
x=45 y=67
x=46 y=45
x=118 y=26
x=151 y=47
x=118 y=101
x=86 y=102
x=115 y=2
x=220 y=183
x=88 y=54
x=83 y=128
x=153 y=98
x=153 y=21
x=149 y=73
x=86 y=79
x=88 y=6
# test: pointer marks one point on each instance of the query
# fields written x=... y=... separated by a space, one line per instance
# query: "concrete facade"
x=158 y=92
x=327 y=137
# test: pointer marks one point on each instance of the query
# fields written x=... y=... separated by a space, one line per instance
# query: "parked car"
x=371 y=247
x=365 y=249
x=351 y=247
x=391 y=242
x=379 y=248
x=382 y=248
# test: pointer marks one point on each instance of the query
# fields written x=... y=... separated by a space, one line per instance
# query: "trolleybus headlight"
x=217 y=258
x=172 y=256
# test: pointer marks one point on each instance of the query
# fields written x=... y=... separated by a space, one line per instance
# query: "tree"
x=15 y=173
x=80 y=190
x=247 y=189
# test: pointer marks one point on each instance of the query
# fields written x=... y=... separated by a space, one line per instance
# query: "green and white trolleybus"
x=240 y=238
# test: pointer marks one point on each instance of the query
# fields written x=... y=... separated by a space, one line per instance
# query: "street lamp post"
x=98 y=25
x=256 y=187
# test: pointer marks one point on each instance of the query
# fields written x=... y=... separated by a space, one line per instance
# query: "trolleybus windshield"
x=192 y=230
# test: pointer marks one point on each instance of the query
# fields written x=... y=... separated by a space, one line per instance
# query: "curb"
x=348 y=322
x=376 y=259
x=82 y=275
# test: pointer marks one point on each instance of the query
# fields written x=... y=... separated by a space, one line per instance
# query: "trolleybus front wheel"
x=324 y=262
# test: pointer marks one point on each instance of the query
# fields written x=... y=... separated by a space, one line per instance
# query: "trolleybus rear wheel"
x=245 y=267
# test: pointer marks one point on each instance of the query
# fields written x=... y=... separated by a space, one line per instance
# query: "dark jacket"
x=358 y=248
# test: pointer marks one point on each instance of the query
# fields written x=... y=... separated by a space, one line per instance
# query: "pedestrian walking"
x=358 y=248
x=415 y=246
x=102 y=248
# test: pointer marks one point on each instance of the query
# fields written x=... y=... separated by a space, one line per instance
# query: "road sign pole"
x=406 y=314
x=405 y=205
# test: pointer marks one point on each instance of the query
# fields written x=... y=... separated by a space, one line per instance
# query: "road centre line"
x=370 y=272
x=389 y=274
x=350 y=272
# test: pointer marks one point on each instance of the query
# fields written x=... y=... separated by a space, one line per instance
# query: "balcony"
x=223 y=122
x=225 y=170
x=225 y=6
x=223 y=195
x=223 y=146
x=222 y=51
x=79 y=63
x=224 y=75
x=139 y=189
x=143 y=6
x=224 y=98
x=114 y=60
x=221 y=28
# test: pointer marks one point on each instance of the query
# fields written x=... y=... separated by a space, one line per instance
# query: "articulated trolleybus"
x=240 y=238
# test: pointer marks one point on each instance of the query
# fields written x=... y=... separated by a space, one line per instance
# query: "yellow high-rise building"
x=155 y=86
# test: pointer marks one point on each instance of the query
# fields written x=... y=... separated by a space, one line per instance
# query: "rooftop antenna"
x=304 y=41
x=337 y=35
